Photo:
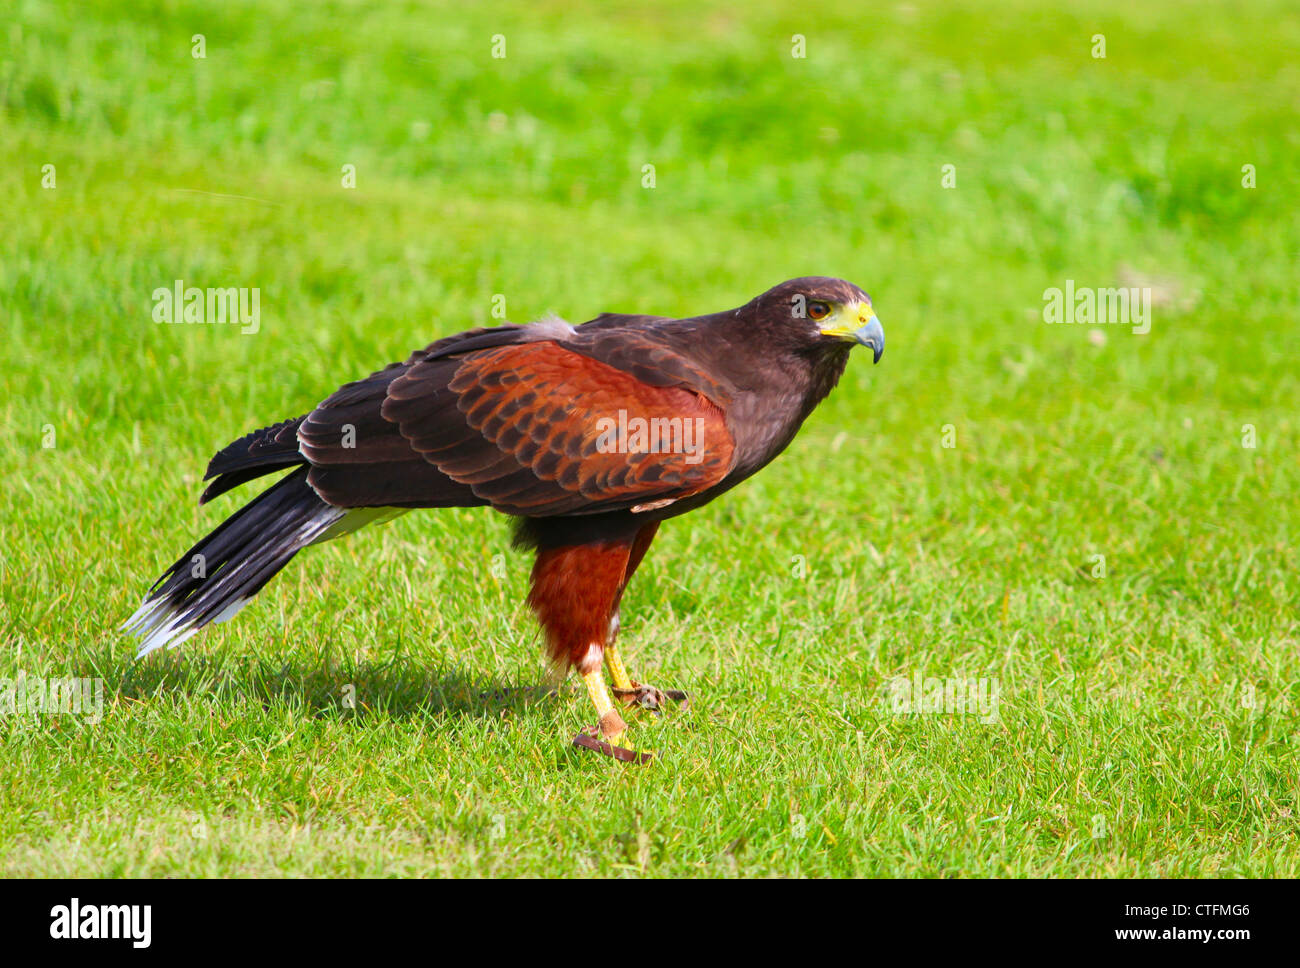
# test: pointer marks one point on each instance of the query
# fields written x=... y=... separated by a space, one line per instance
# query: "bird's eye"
x=818 y=310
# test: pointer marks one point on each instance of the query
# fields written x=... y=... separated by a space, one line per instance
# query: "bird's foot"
x=650 y=697
x=596 y=739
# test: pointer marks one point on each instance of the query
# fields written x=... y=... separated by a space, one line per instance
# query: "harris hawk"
x=589 y=436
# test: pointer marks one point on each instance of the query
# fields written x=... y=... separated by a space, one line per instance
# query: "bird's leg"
x=575 y=592
x=627 y=689
x=612 y=726
x=617 y=671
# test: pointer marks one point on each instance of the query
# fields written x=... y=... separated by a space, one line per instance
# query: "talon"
x=649 y=697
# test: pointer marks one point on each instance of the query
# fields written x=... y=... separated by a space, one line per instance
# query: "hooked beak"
x=870 y=333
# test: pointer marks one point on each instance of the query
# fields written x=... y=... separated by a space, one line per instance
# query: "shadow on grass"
x=397 y=688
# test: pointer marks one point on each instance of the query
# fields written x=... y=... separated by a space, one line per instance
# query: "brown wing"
x=552 y=431
x=359 y=459
x=531 y=428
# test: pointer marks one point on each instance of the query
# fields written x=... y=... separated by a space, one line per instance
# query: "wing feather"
x=493 y=417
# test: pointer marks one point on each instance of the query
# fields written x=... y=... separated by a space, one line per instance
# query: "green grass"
x=1147 y=720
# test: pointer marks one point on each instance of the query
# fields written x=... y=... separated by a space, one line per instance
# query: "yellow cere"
x=845 y=318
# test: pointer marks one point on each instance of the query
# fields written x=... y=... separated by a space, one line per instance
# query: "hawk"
x=589 y=436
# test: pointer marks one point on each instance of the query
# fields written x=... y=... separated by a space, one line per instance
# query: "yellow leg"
x=611 y=723
x=616 y=669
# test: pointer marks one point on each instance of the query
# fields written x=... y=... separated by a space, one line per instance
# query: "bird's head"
x=816 y=311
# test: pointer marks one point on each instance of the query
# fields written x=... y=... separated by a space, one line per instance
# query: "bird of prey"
x=589 y=436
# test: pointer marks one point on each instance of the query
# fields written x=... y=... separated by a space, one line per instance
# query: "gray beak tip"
x=873 y=336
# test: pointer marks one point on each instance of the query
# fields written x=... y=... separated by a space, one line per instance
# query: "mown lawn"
x=1072 y=514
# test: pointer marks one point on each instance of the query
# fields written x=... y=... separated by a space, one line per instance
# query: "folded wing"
x=532 y=428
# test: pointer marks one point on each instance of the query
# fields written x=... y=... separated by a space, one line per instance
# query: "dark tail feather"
x=261 y=452
x=216 y=578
